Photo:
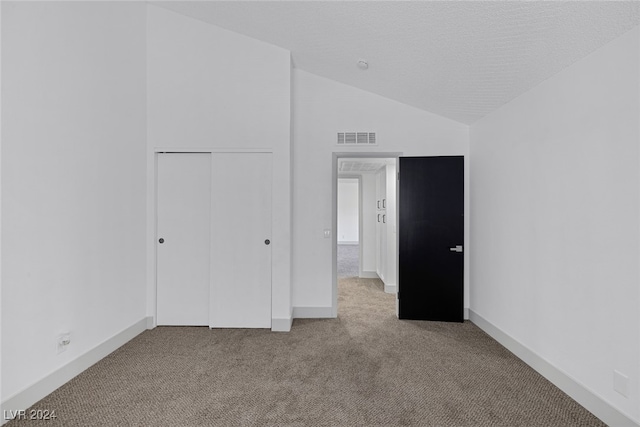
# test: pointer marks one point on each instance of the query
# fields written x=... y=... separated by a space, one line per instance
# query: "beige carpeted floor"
x=366 y=368
x=348 y=261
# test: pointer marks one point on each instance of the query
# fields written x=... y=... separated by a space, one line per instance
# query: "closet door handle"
x=384 y=219
x=378 y=204
x=384 y=203
x=378 y=217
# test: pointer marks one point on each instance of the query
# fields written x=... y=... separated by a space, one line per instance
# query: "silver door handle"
x=456 y=249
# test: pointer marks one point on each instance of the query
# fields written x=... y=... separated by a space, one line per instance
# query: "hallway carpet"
x=348 y=261
x=365 y=368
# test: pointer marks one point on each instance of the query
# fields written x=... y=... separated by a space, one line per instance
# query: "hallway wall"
x=348 y=211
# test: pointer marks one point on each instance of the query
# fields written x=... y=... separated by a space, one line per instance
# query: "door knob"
x=161 y=240
x=456 y=249
x=267 y=242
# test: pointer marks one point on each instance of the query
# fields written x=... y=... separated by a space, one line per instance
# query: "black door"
x=431 y=227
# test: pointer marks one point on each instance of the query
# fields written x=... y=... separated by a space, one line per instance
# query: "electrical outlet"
x=64 y=339
x=621 y=383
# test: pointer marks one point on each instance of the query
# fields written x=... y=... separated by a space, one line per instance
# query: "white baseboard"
x=594 y=403
x=348 y=242
x=465 y=314
x=281 y=325
x=151 y=322
x=390 y=289
x=313 y=313
x=35 y=392
x=369 y=275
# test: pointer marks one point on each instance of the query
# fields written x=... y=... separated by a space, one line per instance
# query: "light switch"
x=327 y=233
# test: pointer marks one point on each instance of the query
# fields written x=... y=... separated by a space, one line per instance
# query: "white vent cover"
x=356 y=138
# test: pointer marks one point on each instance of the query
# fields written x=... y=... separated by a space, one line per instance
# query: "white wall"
x=368 y=238
x=348 y=199
x=555 y=202
x=391 y=277
x=322 y=108
x=215 y=89
x=1 y=400
x=73 y=181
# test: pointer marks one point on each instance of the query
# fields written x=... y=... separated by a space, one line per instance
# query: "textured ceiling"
x=348 y=165
x=457 y=59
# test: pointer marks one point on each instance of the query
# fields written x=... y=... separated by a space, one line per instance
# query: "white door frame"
x=152 y=220
x=334 y=214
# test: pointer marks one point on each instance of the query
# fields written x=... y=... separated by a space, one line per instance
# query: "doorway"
x=365 y=230
x=427 y=232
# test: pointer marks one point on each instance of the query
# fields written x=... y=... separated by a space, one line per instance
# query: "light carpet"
x=348 y=261
x=365 y=368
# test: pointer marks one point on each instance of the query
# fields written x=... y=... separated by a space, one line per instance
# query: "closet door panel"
x=183 y=238
x=241 y=240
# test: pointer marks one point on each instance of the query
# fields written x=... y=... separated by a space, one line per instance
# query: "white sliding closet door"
x=241 y=240
x=183 y=238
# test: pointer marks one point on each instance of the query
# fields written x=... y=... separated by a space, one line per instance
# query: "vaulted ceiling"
x=458 y=59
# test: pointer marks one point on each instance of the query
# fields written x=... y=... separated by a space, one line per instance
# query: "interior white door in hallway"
x=241 y=240
x=183 y=233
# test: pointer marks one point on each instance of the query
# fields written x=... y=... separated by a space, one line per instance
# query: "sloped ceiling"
x=457 y=59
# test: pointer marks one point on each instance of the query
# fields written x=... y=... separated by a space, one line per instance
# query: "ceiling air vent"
x=356 y=138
